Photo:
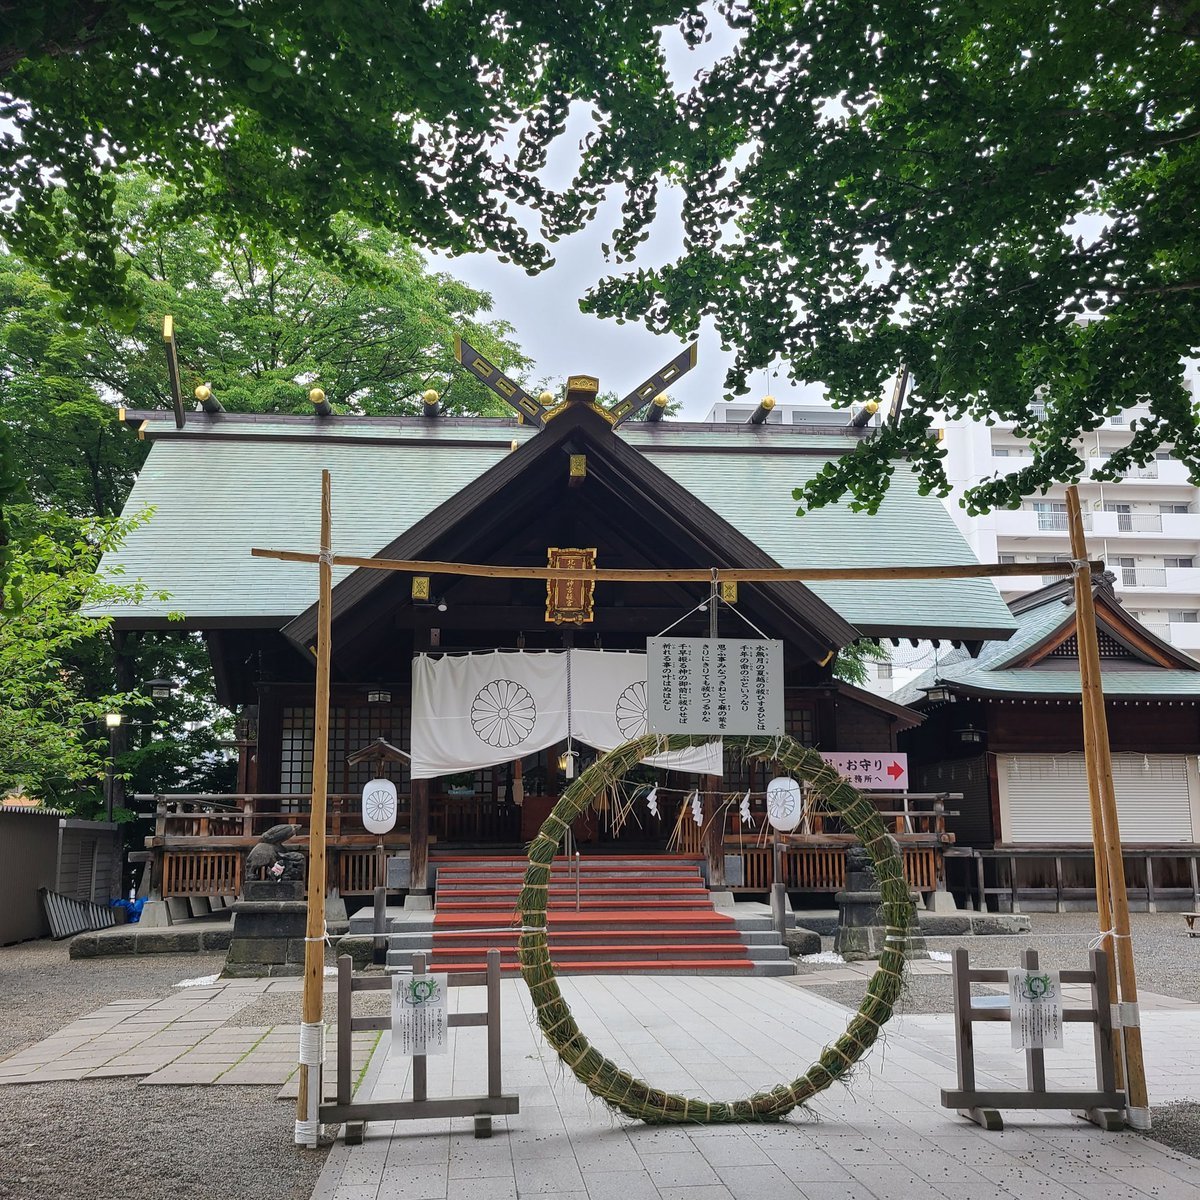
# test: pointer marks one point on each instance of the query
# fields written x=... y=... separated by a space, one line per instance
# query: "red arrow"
x=895 y=770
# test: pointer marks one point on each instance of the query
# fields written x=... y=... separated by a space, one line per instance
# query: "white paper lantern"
x=785 y=804
x=379 y=805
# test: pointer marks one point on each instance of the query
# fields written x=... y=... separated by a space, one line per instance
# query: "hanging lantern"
x=785 y=804
x=379 y=806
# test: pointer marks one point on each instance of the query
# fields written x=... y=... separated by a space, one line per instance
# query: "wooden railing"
x=358 y=871
x=822 y=868
x=1003 y=878
x=212 y=873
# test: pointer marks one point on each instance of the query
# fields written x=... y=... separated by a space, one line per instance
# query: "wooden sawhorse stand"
x=356 y=1115
x=1104 y=1107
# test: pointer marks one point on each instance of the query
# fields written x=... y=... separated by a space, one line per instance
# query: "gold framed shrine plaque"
x=570 y=601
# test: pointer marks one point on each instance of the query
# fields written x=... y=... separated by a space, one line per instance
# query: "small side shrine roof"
x=227 y=482
x=1135 y=663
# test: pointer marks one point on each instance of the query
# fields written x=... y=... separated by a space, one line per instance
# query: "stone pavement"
x=182 y=1039
x=883 y=1136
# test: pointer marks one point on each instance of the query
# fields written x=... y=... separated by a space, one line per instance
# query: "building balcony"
x=1168 y=581
x=1155 y=526
x=1025 y=522
x=1149 y=471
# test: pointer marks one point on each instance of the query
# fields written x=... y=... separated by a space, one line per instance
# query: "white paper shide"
x=1036 y=1003
x=420 y=1015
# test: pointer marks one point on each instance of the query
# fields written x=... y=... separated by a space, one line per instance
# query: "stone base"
x=941 y=902
x=177 y=907
x=722 y=898
x=155 y=915
x=262 y=970
x=418 y=902
x=335 y=911
x=361 y=950
x=858 y=942
x=802 y=941
x=268 y=933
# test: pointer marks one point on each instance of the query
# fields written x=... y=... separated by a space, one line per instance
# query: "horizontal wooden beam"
x=678 y=574
x=407 y=1110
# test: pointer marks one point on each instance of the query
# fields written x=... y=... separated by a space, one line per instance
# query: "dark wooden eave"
x=794 y=611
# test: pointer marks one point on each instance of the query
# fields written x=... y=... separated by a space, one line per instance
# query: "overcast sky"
x=544 y=309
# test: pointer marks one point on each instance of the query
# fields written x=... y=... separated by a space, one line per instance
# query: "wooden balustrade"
x=357 y=872
x=203 y=873
x=200 y=841
x=822 y=868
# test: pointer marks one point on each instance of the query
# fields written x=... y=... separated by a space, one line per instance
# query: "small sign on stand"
x=419 y=1022
x=1035 y=1002
x=420 y=1015
x=1037 y=1015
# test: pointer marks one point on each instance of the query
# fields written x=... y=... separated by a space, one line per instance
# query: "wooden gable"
x=632 y=512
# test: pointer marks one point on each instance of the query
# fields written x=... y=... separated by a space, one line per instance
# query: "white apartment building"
x=1145 y=527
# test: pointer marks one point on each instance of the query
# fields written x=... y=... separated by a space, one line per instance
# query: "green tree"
x=276 y=120
x=258 y=325
x=53 y=738
x=1001 y=195
x=853 y=662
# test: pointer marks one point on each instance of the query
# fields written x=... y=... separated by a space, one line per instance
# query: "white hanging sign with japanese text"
x=714 y=685
x=420 y=1015
x=1036 y=1004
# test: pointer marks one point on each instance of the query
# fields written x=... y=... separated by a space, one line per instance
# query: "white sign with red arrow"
x=878 y=772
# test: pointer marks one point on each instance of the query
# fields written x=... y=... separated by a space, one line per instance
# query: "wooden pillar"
x=1105 y=821
x=308 y=1096
x=418 y=807
x=714 y=832
x=418 y=836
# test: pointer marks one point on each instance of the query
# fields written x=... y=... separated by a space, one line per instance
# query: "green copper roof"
x=987 y=674
x=229 y=484
x=754 y=492
x=213 y=500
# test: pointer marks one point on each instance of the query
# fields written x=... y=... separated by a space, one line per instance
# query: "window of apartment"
x=1183 y=616
x=1006 y=558
x=1171 y=560
x=1000 y=451
x=1174 y=508
x=1162 y=454
x=885 y=669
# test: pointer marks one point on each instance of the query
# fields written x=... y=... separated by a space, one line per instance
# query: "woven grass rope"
x=616 y=1086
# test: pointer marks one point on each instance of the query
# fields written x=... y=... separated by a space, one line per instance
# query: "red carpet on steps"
x=635 y=915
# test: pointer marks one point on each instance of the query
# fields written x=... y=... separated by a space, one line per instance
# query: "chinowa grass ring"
x=616 y=1086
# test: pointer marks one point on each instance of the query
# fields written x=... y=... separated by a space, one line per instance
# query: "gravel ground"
x=1178 y=1126
x=114 y=1139
x=1166 y=959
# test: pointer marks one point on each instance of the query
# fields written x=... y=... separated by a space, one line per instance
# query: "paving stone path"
x=182 y=1039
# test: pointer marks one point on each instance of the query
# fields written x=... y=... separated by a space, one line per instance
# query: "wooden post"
x=418 y=837
x=1106 y=822
x=308 y=1099
x=714 y=814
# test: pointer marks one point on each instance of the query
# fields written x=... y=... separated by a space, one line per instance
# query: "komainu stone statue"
x=268 y=860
